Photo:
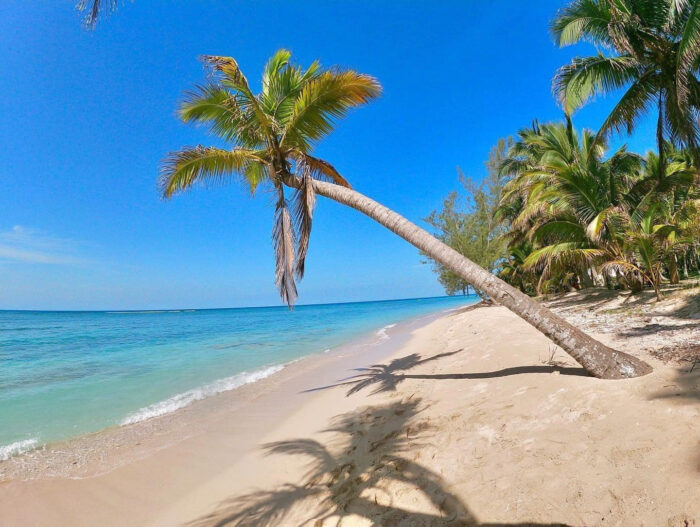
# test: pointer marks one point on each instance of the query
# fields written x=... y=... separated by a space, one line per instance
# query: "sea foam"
x=18 y=447
x=382 y=334
x=186 y=398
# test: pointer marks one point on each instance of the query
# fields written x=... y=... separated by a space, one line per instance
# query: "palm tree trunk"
x=660 y=141
x=673 y=269
x=598 y=359
x=655 y=281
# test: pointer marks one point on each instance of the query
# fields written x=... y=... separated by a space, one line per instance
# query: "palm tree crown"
x=272 y=134
x=655 y=47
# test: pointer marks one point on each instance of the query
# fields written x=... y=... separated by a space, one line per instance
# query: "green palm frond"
x=595 y=228
x=572 y=253
x=213 y=105
x=638 y=98
x=667 y=232
x=582 y=20
x=688 y=48
x=681 y=122
x=561 y=230
x=324 y=100
x=281 y=85
x=231 y=77
x=182 y=169
x=585 y=77
x=273 y=68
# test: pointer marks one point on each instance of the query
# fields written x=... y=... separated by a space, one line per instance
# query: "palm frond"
x=232 y=77
x=582 y=20
x=682 y=123
x=283 y=240
x=596 y=227
x=561 y=230
x=281 y=84
x=199 y=164
x=585 y=77
x=573 y=253
x=303 y=208
x=324 y=100
x=624 y=265
x=636 y=100
x=667 y=232
x=274 y=67
x=688 y=49
x=214 y=106
x=319 y=168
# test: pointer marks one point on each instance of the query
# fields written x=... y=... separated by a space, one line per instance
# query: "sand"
x=476 y=419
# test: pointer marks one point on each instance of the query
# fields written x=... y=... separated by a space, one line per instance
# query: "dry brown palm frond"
x=228 y=67
x=283 y=239
x=303 y=209
x=320 y=169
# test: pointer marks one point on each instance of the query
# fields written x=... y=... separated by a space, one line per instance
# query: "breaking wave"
x=18 y=447
x=186 y=398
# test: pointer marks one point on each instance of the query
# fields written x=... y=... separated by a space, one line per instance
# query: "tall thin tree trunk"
x=599 y=360
x=660 y=140
x=655 y=281
x=673 y=269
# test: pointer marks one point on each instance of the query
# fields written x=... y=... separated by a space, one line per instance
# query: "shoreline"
x=85 y=455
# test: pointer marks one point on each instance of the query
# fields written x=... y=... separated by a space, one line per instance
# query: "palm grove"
x=561 y=211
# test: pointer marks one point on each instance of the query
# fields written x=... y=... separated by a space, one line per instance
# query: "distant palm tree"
x=656 y=55
x=272 y=134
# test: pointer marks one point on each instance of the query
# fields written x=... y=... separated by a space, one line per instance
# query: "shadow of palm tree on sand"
x=365 y=473
x=386 y=377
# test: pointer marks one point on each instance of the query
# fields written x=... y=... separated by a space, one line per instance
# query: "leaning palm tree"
x=272 y=134
x=655 y=47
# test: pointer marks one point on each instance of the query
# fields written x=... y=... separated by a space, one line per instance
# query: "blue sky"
x=88 y=117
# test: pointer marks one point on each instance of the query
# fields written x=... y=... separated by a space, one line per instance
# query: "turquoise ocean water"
x=64 y=374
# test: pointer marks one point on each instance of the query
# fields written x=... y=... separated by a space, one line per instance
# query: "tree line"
x=557 y=210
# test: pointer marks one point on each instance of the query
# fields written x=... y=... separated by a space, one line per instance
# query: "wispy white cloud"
x=23 y=244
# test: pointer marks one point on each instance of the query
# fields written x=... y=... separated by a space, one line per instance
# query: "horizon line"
x=190 y=309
